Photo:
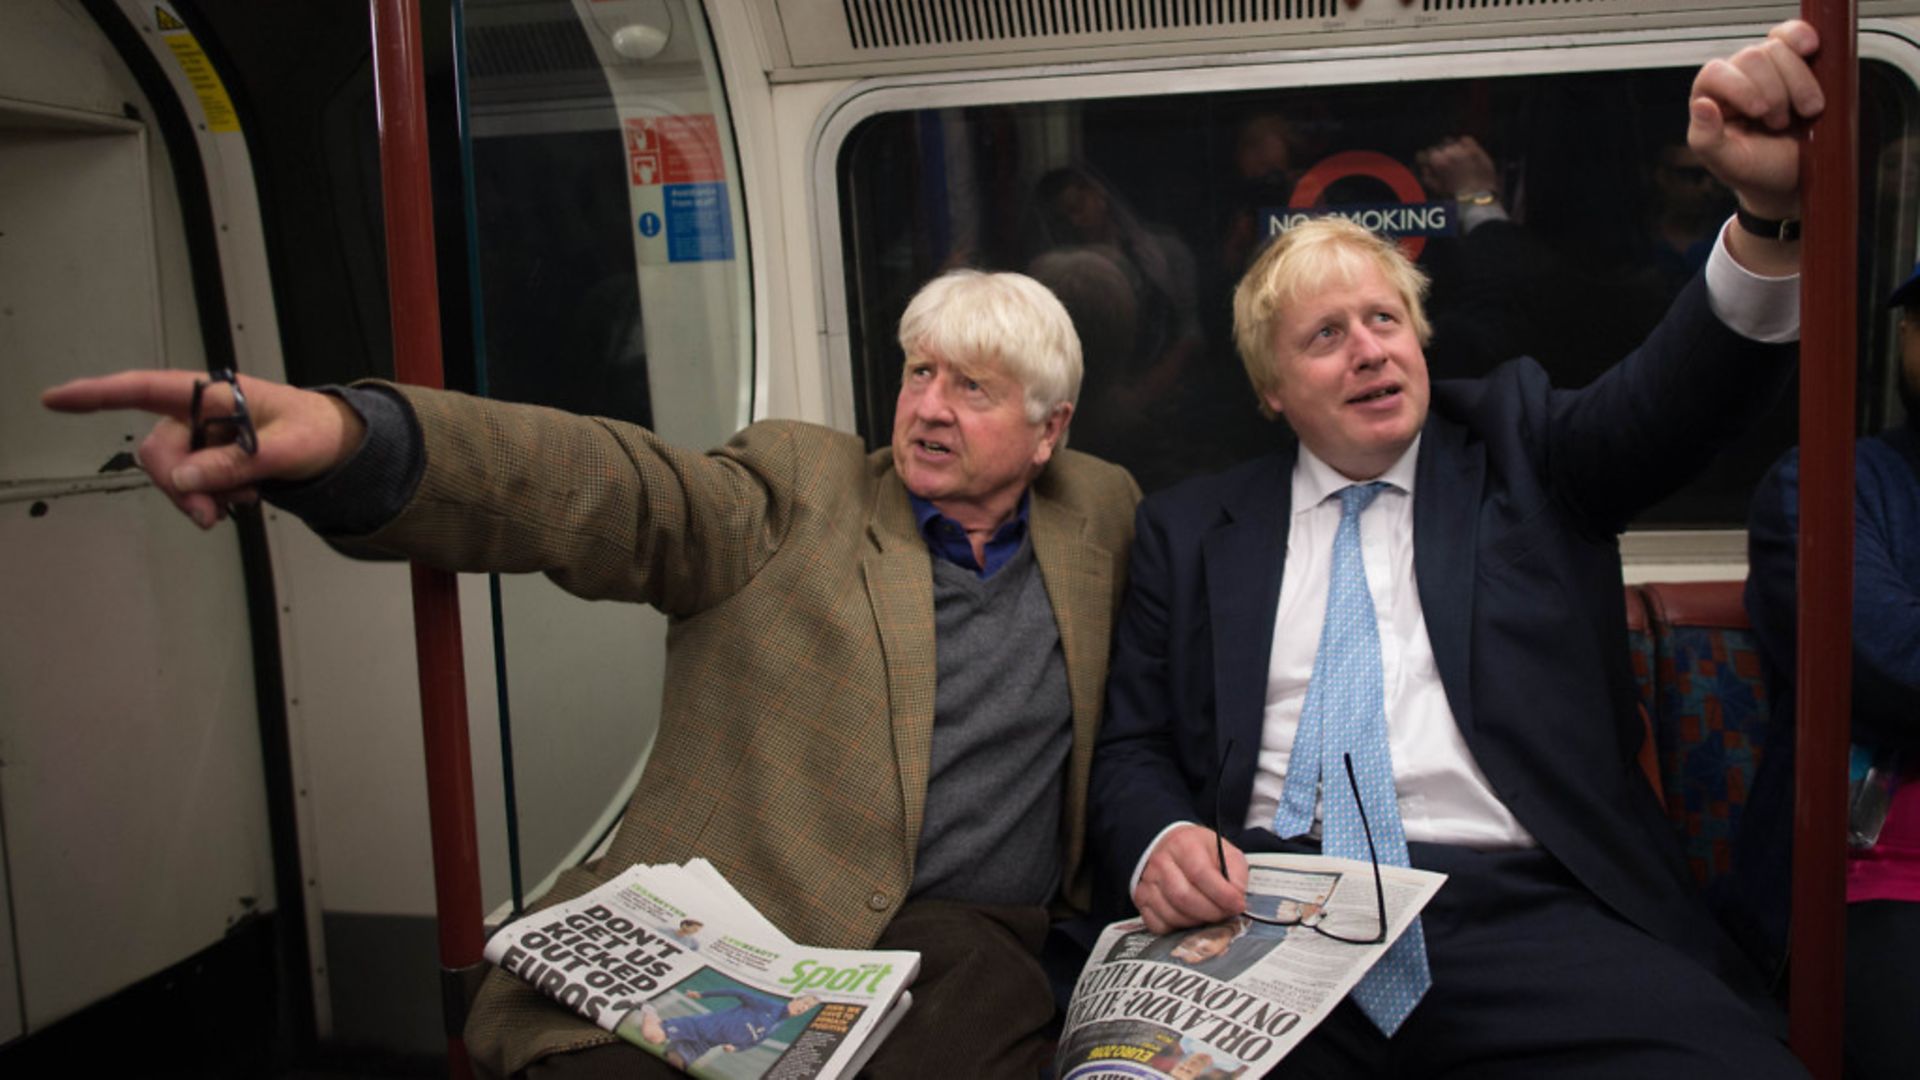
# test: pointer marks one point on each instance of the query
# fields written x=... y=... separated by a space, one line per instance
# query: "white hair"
x=967 y=317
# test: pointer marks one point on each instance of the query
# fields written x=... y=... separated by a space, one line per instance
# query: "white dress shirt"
x=1443 y=795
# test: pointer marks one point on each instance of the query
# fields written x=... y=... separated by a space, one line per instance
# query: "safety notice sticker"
x=215 y=105
x=674 y=150
x=699 y=228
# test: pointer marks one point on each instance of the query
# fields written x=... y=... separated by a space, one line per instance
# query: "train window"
x=1558 y=215
x=609 y=251
x=608 y=232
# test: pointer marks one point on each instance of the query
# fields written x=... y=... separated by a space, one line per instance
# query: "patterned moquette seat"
x=1640 y=650
x=1710 y=713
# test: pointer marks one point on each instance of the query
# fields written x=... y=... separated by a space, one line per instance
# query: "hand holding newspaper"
x=1230 y=999
x=673 y=960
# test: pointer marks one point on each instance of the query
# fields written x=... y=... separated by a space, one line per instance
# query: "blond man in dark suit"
x=884 y=671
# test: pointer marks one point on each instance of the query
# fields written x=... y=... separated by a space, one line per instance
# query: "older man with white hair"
x=884 y=671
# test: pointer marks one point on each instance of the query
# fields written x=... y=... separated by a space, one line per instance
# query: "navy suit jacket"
x=1520 y=493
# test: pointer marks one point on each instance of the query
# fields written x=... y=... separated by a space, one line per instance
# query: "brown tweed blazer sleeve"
x=606 y=509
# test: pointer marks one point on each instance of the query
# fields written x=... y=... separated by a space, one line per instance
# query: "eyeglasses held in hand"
x=236 y=426
x=1379 y=891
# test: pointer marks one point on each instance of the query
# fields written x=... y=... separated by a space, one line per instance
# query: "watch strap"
x=1786 y=230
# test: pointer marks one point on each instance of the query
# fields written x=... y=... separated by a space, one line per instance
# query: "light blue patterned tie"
x=1345 y=713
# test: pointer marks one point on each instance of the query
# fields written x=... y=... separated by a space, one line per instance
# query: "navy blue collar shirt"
x=948 y=540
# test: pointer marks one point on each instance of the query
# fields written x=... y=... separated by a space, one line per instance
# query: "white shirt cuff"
x=1134 y=882
x=1758 y=308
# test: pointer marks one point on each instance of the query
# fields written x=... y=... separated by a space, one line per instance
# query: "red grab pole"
x=1828 y=362
x=414 y=296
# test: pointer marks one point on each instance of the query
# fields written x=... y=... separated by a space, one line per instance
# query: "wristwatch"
x=1786 y=230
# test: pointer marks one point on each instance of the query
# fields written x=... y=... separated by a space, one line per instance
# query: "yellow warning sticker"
x=215 y=105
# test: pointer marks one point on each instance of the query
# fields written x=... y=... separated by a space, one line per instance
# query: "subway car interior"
x=215 y=856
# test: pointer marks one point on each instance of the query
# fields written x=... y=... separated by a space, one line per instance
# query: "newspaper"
x=675 y=961
x=1231 y=999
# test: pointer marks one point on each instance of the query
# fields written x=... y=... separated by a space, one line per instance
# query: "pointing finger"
x=168 y=393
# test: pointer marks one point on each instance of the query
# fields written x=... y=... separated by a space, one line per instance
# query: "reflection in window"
x=606 y=217
x=561 y=295
x=1558 y=215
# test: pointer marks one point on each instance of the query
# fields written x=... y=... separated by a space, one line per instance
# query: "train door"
x=134 y=794
x=595 y=257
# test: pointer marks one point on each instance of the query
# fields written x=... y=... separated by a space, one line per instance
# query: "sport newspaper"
x=675 y=961
x=1231 y=999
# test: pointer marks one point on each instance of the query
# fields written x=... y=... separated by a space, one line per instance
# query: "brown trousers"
x=981 y=1004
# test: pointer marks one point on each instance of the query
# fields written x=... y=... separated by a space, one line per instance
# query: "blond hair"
x=1304 y=259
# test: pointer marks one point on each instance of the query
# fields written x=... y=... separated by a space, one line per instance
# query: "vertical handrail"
x=413 y=294
x=1828 y=364
x=463 y=114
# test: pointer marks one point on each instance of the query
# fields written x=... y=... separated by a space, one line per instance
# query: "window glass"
x=1890 y=229
x=1558 y=216
x=609 y=251
x=608 y=235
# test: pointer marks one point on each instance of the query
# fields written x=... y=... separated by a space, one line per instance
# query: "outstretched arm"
x=302 y=434
x=605 y=508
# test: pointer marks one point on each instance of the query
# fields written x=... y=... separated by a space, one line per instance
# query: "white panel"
x=913 y=36
x=134 y=798
x=136 y=819
x=51 y=52
x=585 y=689
x=354 y=697
x=80 y=293
x=803 y=385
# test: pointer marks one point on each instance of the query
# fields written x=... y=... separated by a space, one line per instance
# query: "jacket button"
x=879 y=902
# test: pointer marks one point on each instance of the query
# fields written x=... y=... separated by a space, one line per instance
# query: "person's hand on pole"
x=1745 y=115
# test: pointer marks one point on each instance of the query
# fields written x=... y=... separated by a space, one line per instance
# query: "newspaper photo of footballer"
x=710 y=1025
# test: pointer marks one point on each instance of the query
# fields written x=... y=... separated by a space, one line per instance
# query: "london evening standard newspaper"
x=673 y=960
x=1229 y=1000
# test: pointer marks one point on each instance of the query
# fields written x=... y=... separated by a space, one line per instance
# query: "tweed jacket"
x=798 y=712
